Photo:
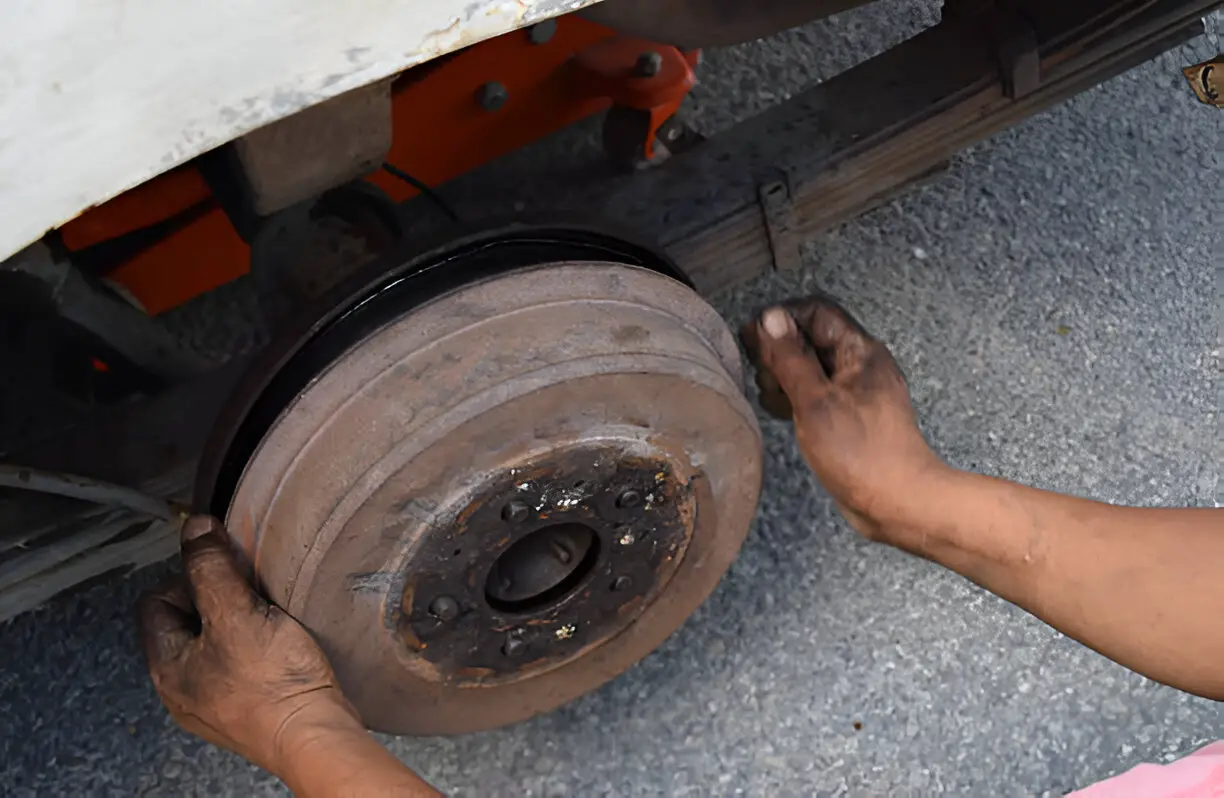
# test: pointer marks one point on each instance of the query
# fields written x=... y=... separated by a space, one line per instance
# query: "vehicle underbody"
x=492 y=462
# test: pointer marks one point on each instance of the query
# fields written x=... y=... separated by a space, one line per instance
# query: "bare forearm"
x=349 y=762
x=1145 y=587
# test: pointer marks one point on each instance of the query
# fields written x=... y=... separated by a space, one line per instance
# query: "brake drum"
x=496 y=499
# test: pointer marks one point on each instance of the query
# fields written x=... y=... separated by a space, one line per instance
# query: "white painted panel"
x=97 y=96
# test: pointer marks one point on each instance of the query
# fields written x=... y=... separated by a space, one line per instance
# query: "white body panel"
x=98 y=96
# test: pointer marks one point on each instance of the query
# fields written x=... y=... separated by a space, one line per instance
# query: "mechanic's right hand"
x=853 y=418
x=233 y=668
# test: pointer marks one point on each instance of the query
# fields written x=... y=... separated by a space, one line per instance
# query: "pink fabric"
x=1200 y=775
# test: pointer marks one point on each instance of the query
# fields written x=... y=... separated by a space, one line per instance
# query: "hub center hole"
x=542 y=568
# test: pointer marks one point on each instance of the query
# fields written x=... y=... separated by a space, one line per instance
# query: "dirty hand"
x=853 y=418
x=232 y=668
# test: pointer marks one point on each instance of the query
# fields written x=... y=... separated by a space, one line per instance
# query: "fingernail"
x=197 y=527
x=777 y=323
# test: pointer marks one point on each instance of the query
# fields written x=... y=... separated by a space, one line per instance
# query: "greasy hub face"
x=551 y=559
x=497 y=498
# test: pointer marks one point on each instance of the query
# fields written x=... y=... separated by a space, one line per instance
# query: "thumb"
x=216 y=584
x=780 y=348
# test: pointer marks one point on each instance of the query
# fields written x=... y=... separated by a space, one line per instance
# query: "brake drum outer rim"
x=427 y=269
x=407 y=704
x=426 y=324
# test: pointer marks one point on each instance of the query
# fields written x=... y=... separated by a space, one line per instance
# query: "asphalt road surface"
x=1052 y=301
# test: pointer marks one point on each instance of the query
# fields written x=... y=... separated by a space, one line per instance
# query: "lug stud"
x=628 y=499
x=515 y=512
x=444 y=608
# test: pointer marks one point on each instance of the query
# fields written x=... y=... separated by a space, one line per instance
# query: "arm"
x=337 y=757
x=239 y=672
x=1144 y=587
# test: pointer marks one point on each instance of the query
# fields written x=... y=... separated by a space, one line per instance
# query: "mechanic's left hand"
x=853 y=418
x=233 y=668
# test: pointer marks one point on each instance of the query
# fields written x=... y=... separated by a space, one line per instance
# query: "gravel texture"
x=1052 y=300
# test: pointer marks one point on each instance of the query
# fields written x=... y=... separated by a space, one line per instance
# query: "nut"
x=515 y=512
x=542 y=32
x=628 y=499
x=492 y=95
x=444 y=608
x=648 y=65
x=515 y=646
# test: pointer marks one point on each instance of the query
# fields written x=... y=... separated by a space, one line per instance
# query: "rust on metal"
x=553 y=576
x=517 y=387
x=844 y=156
x=1207 y=80
x=779 y=214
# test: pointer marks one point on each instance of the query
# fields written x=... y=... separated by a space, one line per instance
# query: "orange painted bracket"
x=192 y=260
x=610 y=69
x=487 y=101
x=157 y=200
x=448 y=117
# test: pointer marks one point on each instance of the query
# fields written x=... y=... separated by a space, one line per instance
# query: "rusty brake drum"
x=492 y=478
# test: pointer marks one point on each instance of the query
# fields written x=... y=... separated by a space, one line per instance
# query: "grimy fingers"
x=782 y=353
x=217 y=586
x=770 y=394
x=167 y=622
x=839 y=339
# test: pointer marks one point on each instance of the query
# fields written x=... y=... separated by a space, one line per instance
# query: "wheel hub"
x=553 y=557
x=488 y=494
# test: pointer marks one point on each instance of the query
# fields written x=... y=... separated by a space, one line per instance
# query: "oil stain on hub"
x=547 y=563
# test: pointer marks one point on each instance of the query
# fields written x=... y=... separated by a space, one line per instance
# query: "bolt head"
x=542 y=32
x=621 y=583
x=516 y=512
x=628 y=499
x=515 y=646
x=492 y=95
x=444 y=608
x=648 y=64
